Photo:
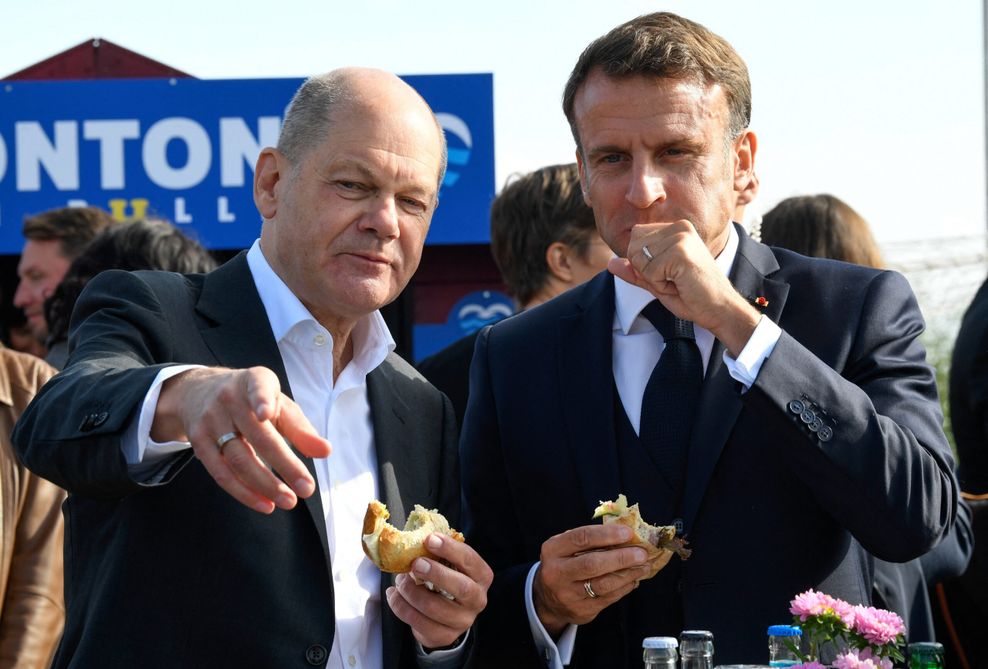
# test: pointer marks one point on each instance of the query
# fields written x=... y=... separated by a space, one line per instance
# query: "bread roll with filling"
x=659 y=542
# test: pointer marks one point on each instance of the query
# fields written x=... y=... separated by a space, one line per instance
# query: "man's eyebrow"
x=348 y=164
x=606 y=148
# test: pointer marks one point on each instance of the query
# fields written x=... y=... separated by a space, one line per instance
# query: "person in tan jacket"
x=32 y=608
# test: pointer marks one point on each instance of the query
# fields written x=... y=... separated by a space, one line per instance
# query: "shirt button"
x=319 y=340
x=352 y=661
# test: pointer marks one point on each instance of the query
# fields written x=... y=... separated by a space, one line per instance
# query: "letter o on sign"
x=155 y=157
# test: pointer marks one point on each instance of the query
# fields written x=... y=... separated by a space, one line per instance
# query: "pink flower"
x=878 y=626
x=811 y=603
x=861 y=659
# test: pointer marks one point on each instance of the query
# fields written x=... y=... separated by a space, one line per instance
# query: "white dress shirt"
x=637 y=346
x=346 y=480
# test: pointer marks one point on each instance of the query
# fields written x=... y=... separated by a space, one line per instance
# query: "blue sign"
x=472 y=312
x=184 y=149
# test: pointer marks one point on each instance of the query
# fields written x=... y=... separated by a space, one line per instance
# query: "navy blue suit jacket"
x=770 y=508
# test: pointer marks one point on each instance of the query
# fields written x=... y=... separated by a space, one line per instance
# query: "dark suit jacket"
x=449 y=371
x=180 y=574
x=770 y=508
x=969 y=395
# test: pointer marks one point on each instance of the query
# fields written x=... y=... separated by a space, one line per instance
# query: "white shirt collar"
x=372 y=341
x=629 y=299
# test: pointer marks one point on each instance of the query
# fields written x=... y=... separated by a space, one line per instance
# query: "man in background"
x=544 y=242
x=53 y=240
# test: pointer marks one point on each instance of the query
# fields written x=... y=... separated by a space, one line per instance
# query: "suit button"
x=316 y=654
x=796 y=407
x=807 y=416
x=678 y=524
x=100 y=418
x=815 y=424
x=825 y=433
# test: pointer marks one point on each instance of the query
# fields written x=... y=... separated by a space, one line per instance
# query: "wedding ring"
x=648 y=254
x=590 y=593
x=225 y=439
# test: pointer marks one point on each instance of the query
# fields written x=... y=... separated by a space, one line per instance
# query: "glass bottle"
x=780 y=638
x=659 y=652
x=696 y=649
x=925 y=655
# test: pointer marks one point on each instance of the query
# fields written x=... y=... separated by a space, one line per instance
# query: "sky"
x=880 y=102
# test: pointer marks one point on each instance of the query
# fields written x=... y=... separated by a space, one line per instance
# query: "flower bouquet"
x=865 y=637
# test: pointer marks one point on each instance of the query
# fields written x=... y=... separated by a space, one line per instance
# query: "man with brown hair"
x=53 y=240
x=776 y=408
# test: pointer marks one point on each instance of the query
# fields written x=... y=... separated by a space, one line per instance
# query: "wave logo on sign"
x=456 y=129
x=490 y=307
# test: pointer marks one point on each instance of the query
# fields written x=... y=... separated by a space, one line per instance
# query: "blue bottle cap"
x=660 y=642
x=784 y=630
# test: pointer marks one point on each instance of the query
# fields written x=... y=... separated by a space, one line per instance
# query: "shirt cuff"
x=138 y=448
x=761 y=344
x=441 y=659
x=556 y=654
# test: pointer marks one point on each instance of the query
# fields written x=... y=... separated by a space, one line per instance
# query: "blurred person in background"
x=821 y=226
x=544 y=242
x=32 y=607
x=825 y=226
x=53 y=239
x=142 y=244
x=965 y=599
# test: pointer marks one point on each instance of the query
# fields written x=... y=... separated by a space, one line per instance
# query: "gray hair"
x=309 y=115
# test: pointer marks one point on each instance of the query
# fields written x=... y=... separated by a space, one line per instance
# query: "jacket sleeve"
x=70 y=434
x=871 y=450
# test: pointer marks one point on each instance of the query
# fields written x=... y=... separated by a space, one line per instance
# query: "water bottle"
x=779 y=653
x=659 y=652
x=696 y=649
x=925 y=655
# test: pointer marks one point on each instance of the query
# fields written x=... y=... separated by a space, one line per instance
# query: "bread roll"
x=394 y=550
x=659 y=542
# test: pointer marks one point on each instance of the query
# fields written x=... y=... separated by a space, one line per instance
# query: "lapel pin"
x=761 y=301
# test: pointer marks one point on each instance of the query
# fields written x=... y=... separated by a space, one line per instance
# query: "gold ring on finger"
x=590 y=593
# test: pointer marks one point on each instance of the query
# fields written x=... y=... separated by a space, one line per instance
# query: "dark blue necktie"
x=671 y=395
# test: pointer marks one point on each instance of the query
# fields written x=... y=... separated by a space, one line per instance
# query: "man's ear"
x=269 y=171
x=583 y=177
x=745 y=147
x=558 y=258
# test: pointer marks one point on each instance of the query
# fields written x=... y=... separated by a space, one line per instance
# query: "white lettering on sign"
x=181 y=216
x=111 y=136
x=223 y=214
x=200 y=153
x=238 y=146
x=3 y=157
x=60 y=160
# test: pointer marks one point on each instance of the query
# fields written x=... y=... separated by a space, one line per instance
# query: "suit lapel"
x=239 y=336
x=389 y=415
x=585 y=373
x=720 y=400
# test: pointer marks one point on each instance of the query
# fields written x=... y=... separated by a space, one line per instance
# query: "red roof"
x=96 y=59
